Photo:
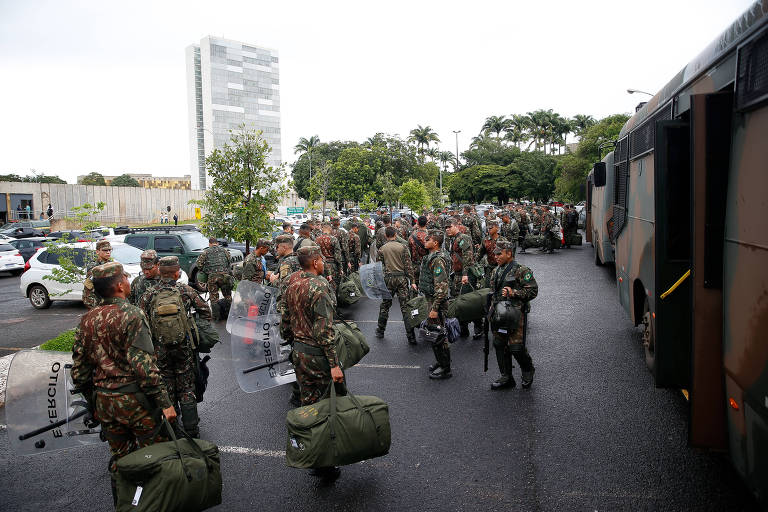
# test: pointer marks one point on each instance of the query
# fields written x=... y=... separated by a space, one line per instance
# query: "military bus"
x=688 y=221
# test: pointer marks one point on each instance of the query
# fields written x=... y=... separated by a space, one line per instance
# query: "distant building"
x=230 y=83
x=149 y=181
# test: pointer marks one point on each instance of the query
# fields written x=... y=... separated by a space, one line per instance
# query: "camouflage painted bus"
x=689 y=224
x=600 y=190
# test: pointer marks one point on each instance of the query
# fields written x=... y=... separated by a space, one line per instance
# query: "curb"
x=5 y=363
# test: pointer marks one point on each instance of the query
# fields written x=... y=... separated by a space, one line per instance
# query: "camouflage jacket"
x=510 y=231
x=519 y=278
x=329 y=246
x=253 y=270
x=343 y=238
x=302 y=242
x=308 y=313
x=139 y=286
x=355 y=247
x=547 y=220
x=381 y=237
x=433 y=279
x=473 y=226
x=90 y=298
x=487 y=248
x=315 y=233
x=416 y=242
x=113 y=347
x=286 y=266
x=189 y=296
x=214 y=259
x=462 y=256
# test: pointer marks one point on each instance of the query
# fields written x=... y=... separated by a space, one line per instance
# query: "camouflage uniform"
x=214 y=261
x=343 y=238
x=331 y=251
x=90 y=298
x=176 y=362
x=142 y=283
x=462 y=257
x=434 y=284
x=398 y=273
x=547 y=223
x=510 y=231
x=521 y=280
x=487 y=249
x=253 y=270
x=308 y=325
x=355 y=250
x=524 y=221
x=115 y=367
x=473 y=226
x=365 y=241
x=381 y=237
x=418 y=250
x=286 y=266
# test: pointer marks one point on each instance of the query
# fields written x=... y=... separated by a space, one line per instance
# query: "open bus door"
x=671 y=350
x=711 y=116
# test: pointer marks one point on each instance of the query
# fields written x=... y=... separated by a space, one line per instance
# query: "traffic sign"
x=291 y=210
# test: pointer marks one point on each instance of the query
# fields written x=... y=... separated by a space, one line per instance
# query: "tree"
x=496 y=124
x=389 y=191
x=244 y=192
x=306 y=146
x=414 y=194
x=93 y=178
x=369 y=202
x=606 y=130
x=320 y=184
x=445 y=157
x=581 y=122
x=571 y=172
x=422 y=136
x=11 y=177
x=35 y=178
x=125 y=180
x=323 y=152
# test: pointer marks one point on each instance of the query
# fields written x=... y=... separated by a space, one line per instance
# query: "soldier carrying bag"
x=418 y=309
x=468 y=306
x=350 y=343
x=337 y=431
x=178 y=475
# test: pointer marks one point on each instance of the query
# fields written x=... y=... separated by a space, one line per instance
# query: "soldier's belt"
x=310 y=350
x=130 y=388
x=394 y=274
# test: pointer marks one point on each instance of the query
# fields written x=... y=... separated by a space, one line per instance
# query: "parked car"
x=29 y=246
x=11 y=260
x=186 y=244
x=75 y=235
x=42 y=291
x=22 y=232
x=39 y=225
x=4 y=239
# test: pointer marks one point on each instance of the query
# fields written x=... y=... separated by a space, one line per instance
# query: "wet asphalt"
x=591 y=434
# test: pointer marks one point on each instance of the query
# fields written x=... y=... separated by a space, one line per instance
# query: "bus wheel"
x=649 y=341
x=597 y=259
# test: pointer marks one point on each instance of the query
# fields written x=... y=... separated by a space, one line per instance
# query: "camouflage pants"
x=125 y=423
x=218 y=280
x=442 y=350
x=313 y=376
x=398 y=287
x=550 y=241
x=175 y=364
x=507 y=346
x=332 y=269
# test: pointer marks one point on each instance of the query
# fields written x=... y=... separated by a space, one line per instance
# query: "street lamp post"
x=457 y=132
x=633 y=91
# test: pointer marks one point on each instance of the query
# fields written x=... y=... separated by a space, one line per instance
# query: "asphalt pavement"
x=591 y=434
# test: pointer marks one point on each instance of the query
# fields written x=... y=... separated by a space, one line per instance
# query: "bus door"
x=671 y=348
x=711 y=116
x=588 y=222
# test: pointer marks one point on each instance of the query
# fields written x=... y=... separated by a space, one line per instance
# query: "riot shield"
x=251 y=300
x=372 y=280
x=41 y=412
x=259 y=357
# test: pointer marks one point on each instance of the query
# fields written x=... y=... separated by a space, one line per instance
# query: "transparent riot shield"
x=251 y=300
x=259 y=357
x=372 y=280
x=41 y=412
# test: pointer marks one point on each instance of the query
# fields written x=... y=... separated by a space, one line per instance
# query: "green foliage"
x=389 y=190
x=369 y=202
x=606 y=130
x=244 y=189
x=487 y=150
x=414 y=194
x=93 y=178
x=35 y=178
x=571 y=172
x=125 y=180
x=61 y=343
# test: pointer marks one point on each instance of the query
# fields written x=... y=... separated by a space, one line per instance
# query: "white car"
x=41 y=290
x=11 y=259
x=4 y=239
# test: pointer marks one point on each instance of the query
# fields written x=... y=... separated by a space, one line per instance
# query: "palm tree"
x=445 y=157
x=422 y=136
x=432 y=153
x=495 y=124
x=540 y=128
x=306 y=146
x=581 y=122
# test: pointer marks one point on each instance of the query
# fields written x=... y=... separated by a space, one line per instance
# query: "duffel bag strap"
x=194 y=444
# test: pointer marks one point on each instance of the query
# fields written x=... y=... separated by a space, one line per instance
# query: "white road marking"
x=391 y=366
x=254 y=452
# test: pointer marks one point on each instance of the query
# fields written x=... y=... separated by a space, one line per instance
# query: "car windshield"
x=126 y=254
x=195 y=241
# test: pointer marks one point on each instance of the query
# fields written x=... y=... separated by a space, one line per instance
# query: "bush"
x=61 y=343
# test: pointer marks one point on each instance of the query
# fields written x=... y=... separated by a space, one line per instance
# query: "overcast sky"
x=93 y=86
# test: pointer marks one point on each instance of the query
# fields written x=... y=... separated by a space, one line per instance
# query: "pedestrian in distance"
x=175 y=219
x=214 y=262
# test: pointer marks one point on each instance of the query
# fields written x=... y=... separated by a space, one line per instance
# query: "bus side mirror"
x=599 y=174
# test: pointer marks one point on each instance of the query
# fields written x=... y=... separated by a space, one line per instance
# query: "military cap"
x=149 y=258
x=109 y=269
x=169 y=261
x=263 y=242
x=284 y=239
x=503 y=246
x=103 y=244
x=309 y=250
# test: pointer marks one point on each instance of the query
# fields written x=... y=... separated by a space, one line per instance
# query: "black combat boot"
x=464 y=330
x=380 y=331
x=506 y=380
x=528 y=377
x=478 y=330
x=409 y=334
x=443 y=371
x=190 y=419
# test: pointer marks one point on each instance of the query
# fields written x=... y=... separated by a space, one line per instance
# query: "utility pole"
x=457 y=132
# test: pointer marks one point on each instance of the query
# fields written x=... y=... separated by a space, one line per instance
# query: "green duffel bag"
x=532 y=240
x=177 y=475
x=355 y=278
x=574 y=239
x=418 y=310
x=350 y=342
x=337 y=431
x=349 y=293
x=206 y=335
x=469 y=306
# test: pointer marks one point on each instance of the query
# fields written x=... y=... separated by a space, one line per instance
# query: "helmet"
x=505 y=318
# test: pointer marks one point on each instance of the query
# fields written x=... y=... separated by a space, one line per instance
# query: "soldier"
x=365 y=239
x=381 y=237
x=287 y=263
x=214 y=261
x=434 y=284
x=509 y=229
x=417 y=245
x=343 y=239
x=91 y=299
x=175 y=360
x=114 y=367
x=255 y=266
x=331 y=251
x=569 y=219
x=513 y=283
x=398 y=272
x=316 y=231
x=462 y=257
x=308 y=325
x=150 y=275
x=403 y=228
x=547 y=224
x=473 y=225
x=488 y=247
x=355 y=247
x=524 y=221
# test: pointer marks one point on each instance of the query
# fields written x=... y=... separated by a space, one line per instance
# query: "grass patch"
x=61 y=343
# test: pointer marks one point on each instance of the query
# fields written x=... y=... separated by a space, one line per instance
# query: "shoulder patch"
x=527 y=276
x=438 y=270
x=461 y=243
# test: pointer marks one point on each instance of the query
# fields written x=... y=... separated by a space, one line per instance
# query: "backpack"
x=201 y=376
x=169 y=321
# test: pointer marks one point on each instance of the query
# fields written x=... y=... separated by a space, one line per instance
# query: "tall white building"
x=230 y=83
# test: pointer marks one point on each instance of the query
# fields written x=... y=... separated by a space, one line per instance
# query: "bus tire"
x=649 y=339
x=598 y=262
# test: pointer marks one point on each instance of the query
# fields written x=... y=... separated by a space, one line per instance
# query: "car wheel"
x=38 y=297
